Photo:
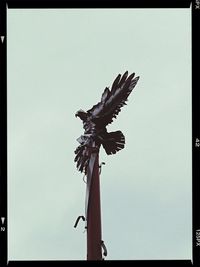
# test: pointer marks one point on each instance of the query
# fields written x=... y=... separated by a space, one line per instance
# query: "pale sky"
x=60 y=61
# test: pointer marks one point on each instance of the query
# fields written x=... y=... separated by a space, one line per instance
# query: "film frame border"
x=4 y=5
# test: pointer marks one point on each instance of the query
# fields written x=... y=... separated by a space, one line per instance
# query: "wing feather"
x=113 y=100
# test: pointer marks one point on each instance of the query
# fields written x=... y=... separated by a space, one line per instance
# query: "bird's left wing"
x=113 y=100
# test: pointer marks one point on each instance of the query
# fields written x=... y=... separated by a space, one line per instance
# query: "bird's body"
x=99 y=116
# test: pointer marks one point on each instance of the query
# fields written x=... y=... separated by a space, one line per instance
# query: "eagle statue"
x=99 y=116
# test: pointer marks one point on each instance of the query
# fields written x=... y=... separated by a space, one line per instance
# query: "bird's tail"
x=113 y=142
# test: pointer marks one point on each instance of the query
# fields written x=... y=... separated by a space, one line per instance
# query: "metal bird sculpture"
x=99 y=116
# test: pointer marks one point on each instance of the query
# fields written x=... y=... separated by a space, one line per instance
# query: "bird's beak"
x=76 y=115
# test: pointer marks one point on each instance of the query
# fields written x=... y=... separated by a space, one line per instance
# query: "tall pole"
x=95 y=121
x=93 y=209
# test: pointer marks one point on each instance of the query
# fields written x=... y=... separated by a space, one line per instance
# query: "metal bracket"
x=78 y=219
x=100 y=167
x=105 y=252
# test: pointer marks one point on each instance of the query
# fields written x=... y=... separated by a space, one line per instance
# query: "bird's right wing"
x=113 y=100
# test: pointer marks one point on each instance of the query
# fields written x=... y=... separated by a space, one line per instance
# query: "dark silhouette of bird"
x=99 y=116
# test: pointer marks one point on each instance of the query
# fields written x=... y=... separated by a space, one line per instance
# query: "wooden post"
x=94 y=251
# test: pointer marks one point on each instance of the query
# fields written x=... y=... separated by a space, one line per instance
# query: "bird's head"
x=81 y=114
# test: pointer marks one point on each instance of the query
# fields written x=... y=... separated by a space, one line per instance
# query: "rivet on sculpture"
x=95 y=121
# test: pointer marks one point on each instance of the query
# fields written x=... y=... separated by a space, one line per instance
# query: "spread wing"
x=113 y=100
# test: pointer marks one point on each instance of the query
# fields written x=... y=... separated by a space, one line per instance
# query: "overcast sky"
x=60 y=61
